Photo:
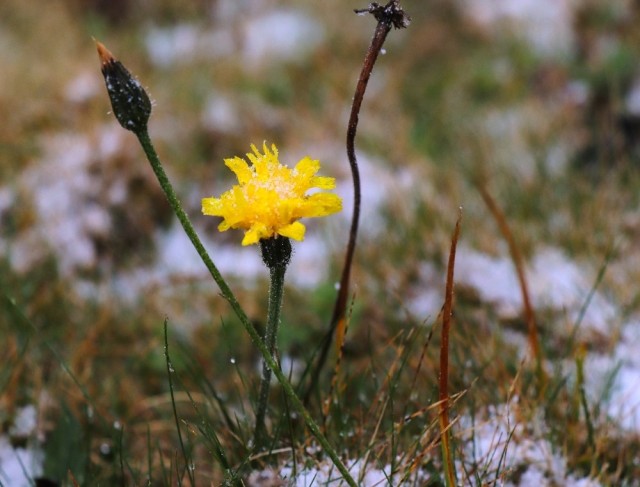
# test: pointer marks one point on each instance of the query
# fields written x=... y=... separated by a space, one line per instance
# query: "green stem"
x=156 y=165
x=187 y=461
x=152 y=156
x=276 y=290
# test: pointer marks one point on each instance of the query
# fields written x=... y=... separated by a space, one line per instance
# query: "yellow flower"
x=270 y=198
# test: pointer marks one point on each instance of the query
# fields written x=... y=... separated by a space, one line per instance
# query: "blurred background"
x=538 y=102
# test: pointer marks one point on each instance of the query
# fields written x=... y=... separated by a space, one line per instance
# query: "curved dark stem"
x=390 y=15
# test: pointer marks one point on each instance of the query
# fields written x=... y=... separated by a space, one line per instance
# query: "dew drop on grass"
x=336 y=286
x=232 y=361
x=117 y=425
x=105 y=449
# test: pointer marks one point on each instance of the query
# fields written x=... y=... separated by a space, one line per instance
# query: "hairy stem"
x=276 y=289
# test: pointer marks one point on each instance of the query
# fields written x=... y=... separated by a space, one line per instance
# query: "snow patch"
x=221 y=114
x=632 y=102
x=615 y=379
x=379 y=185
x=501 y=443
x=326 y=474
x=58 y=187
x=427 y=296
x=187 y=43
x=19 y=466
x=179 y=258
x=555 y=282
x=291 y=36
x=546 y=24
x=83 y=87
x=25 y=421
x=279 y=35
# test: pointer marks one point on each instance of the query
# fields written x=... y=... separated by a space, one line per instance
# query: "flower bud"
x=129 y=100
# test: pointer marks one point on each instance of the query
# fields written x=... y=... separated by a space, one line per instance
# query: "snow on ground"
x=632 y=102
x=177 y=258
x=19 y=466
x=614 y=379
x=186 y=43
x=499 y=442
x=326 y=474
x=557 y=283
x=427 y=296
x=380 y=185
x=84 y=87
x=547 y=25
x=554 y=281
x=291 y=35
x=221 y=114
x=60 y=188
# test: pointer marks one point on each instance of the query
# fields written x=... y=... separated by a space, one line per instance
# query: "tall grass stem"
x=445 y=433
x=518 y=262
x=188 y=463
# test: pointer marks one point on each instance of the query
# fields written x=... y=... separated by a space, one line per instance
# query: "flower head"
x=270 y=198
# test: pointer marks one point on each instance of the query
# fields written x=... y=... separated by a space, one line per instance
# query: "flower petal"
x=240 y=168
x=307 y=167
x=323 y=182
x=295 y=231
x=211 y=206
x=322 y=204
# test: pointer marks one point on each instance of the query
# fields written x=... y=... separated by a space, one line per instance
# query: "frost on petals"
x=270 y=198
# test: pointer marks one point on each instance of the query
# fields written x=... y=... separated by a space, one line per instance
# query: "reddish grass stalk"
x=447 y=455
x=72 y=478
x=326 y=407
x=388 y=16
x=516 y=256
